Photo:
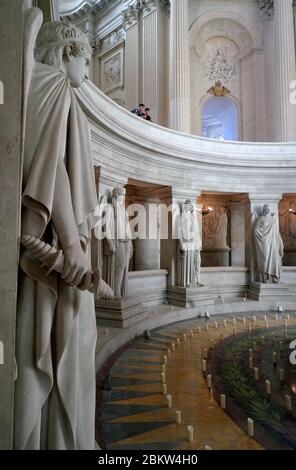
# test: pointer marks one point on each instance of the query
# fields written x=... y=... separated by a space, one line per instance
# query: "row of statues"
x=268 y=248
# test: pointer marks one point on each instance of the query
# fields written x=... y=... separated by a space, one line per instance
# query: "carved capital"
x=149 y=5
x=131 y=15
x=266 y=8
x=165 y=5
x=96 y=46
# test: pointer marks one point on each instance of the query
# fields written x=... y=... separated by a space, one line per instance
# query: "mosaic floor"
x=132 y=404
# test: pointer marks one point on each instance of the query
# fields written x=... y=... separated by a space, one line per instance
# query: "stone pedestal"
x=270 y=292
x=214 y=257
x=120 y=314
x=190 y=296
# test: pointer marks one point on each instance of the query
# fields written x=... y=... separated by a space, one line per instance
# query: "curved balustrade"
x=130 y=147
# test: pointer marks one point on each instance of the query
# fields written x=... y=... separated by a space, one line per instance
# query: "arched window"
x=220 y=118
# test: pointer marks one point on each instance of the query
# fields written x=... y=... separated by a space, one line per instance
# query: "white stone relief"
x=112 y=72
x=113 y=39
x=214 y=229
x=218 y=65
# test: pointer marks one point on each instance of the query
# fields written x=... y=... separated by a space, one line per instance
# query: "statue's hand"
x=77 y=270
x=110 y=247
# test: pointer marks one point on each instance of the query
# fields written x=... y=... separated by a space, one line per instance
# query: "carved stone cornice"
x=149 y=5
x=87 y=10
x=132 y=13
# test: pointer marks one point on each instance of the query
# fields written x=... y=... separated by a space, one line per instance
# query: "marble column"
x=286 y=70
x=270 y=76
x=179 y=67
x=237 y=230
x=155 y=63
x=147 y=251
x=132 y=51
x=11 y=129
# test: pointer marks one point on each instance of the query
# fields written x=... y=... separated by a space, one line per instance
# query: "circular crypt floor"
x=245 y=359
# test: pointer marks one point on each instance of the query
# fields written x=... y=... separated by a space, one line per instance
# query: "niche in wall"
x=287 y=221
x=220 y=118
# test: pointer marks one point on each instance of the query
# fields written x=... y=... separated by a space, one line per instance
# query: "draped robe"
x=268 y=246
x=116 y=265
x=56 y=325
x=190 y=244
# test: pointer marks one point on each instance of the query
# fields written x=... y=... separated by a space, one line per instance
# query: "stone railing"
x=128 y=147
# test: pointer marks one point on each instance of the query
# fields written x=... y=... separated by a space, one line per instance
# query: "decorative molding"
x=113 y=39
x=132 y=13
x=218 y=90
x=102 y=46
x=112 y=71
x=244 y=33
x=86 y=9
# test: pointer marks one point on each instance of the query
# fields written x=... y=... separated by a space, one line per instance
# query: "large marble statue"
x=56 y=323
x=118 y=248
x=189 y=248
x=268 y=245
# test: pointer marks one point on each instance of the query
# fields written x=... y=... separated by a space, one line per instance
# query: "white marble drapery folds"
x=56 y=324
x=268 y=245
x=189 y=248
x=118 y=247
